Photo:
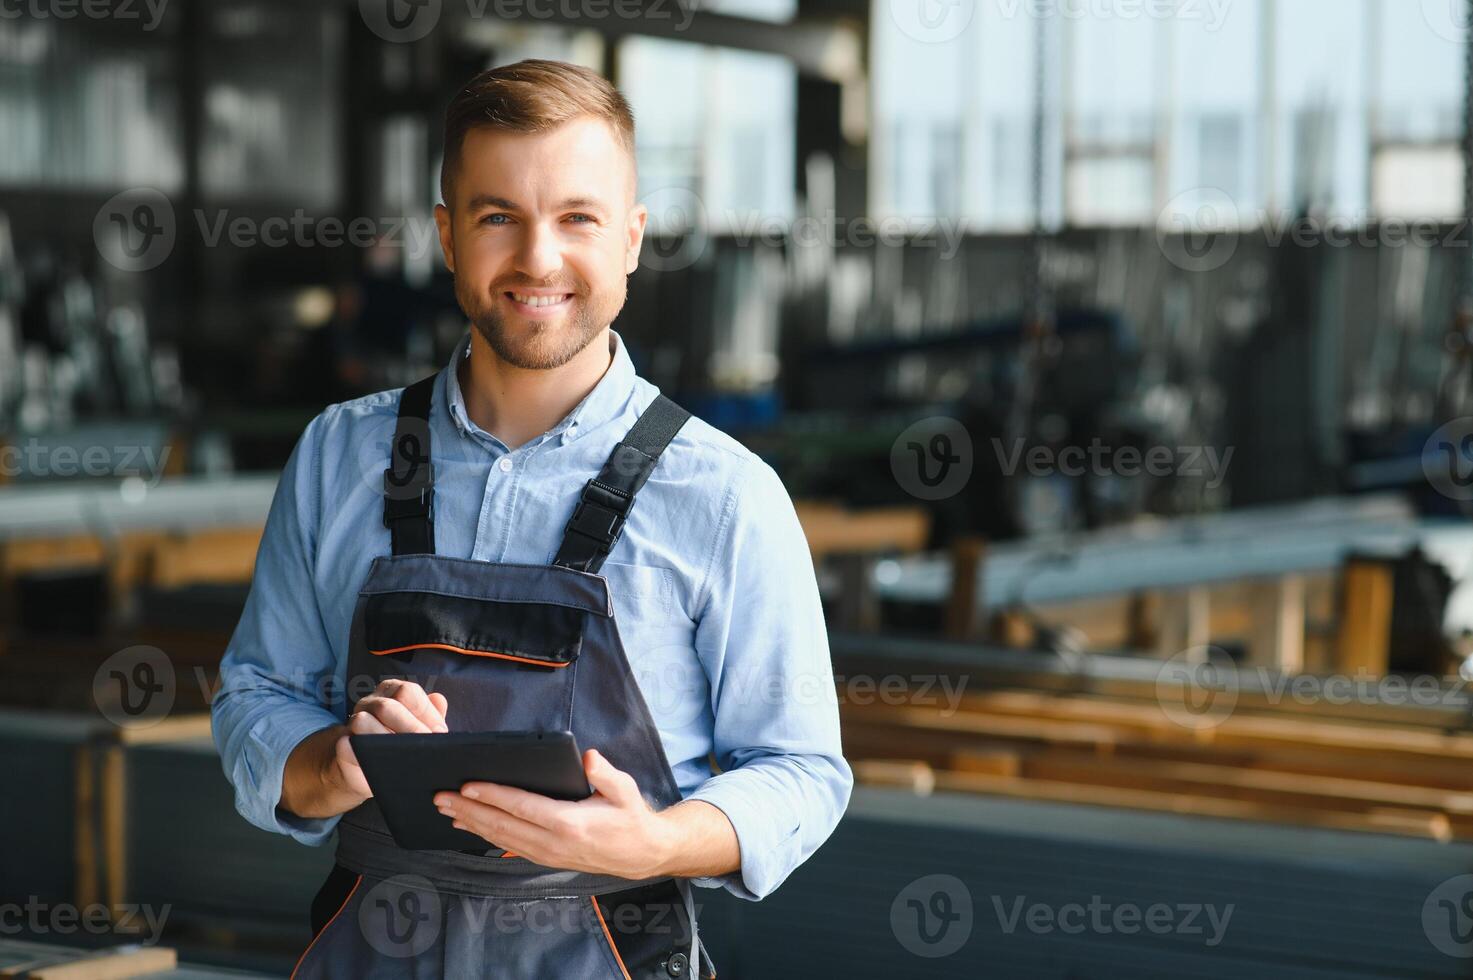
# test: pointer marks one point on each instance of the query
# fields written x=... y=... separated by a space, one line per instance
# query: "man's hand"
x=614 y=831
x=322 y=776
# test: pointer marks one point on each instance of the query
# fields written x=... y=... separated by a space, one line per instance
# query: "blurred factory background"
x=1118 y=354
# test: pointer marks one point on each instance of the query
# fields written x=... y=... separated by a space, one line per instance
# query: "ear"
x=447 y=236
x=639 y=216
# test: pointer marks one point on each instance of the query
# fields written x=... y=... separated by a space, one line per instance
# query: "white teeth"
x=538 y=300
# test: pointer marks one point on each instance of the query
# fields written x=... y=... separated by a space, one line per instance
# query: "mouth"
x=538 y=304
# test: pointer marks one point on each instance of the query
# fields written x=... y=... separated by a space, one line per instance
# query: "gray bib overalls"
x=512 y=647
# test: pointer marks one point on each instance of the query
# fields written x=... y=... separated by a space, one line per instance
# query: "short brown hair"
x=531 y=96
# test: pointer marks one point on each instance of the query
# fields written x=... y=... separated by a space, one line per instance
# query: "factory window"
x=1416 y=116
x=715 y=133
x=1114 y=68
x=271 y=124
x=78 y=110
x=1225 y=103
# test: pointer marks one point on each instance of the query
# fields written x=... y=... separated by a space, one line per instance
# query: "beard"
x=540 y=345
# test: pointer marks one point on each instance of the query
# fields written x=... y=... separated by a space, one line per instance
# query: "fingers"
x=441 y=705
x=500 y=828
x=609 y=781
x=349 y=771
x=362 y=722
x=403 y=706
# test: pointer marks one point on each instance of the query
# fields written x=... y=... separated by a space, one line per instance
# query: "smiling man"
x=554 y=545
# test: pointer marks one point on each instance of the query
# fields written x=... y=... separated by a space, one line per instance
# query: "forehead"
x=580 y=158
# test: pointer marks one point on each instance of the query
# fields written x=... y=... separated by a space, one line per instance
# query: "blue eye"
x=584 y=217
x=491 y=219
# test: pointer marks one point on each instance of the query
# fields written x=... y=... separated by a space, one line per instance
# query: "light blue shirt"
x=712 y=582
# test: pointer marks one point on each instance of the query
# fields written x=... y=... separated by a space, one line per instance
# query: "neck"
x=516 y=405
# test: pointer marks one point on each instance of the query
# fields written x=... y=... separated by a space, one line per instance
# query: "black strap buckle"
x=599 y=515
x=412 y=495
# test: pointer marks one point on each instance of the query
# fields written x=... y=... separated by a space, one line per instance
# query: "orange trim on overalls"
x=607 y=935
x=326 y=927
x=471 y=653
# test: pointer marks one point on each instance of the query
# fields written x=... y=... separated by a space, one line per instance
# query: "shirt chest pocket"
x=642 y=594
x=659 y=642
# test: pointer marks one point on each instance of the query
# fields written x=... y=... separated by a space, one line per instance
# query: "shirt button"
x=505 y=464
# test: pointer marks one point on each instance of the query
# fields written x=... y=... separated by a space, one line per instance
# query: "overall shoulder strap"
x=607 y=499
x=409 y=482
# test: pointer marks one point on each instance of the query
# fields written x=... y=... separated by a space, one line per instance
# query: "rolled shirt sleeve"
x=761 y=637
x=278 y=672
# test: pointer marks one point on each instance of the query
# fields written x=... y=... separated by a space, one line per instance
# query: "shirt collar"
x=602 y=404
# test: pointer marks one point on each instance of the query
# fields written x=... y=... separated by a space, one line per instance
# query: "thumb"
x=608 y=781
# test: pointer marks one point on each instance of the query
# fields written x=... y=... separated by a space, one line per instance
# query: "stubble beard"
x=538 y=345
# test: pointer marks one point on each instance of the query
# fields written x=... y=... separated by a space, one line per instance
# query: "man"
x=513 y=476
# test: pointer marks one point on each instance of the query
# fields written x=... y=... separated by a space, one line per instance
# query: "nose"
x=540 y=255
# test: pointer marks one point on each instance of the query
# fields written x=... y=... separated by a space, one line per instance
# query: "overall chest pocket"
x=536 y=633
x=502 y=665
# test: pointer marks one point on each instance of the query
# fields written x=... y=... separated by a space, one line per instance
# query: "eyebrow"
x=482 y=201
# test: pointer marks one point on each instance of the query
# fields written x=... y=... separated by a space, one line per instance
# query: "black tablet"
x=405 y=771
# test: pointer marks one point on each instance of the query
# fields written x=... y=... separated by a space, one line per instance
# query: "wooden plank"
x=1278 y=635
x=84 y=827
x=1387 y=820
x=220 y=555
x=113 y=799
x=962 y=612
x=1363 y=643
x=120 y=965
x=831 y=529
